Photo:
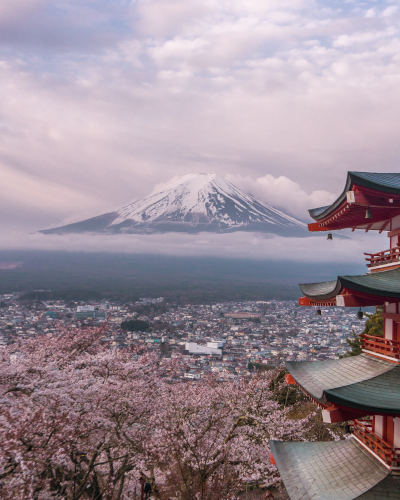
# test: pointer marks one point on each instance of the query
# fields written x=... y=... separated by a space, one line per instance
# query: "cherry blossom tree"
x=73 y=414
x=82 y=420
x=209 y=438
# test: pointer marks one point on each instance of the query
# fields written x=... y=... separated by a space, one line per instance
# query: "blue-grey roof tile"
x=359 y=382
x=338 y=470
x=383 y=283
x=386 y=182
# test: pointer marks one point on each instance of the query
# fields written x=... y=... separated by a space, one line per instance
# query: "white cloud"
x=389 y=11
x=178 y=48
x=234 y=245
x=283 y=193
x=370 y=13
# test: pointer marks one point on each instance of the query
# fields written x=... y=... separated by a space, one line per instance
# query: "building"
x=216 y=343
x=242 y=315
x=89 y=314
x=210 y=348
x=363 y=389
x=85 y=308
x=192 y=374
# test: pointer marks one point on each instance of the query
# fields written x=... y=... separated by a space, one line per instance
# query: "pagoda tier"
x=350 y=388
x=338 y=470
x=369 y=201
x=364 y=389
x=369 y=289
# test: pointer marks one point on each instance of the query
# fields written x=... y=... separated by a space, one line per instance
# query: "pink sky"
x=103 y=100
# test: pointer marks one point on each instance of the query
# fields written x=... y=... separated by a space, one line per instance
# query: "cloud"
x=101 y=101
x=164 y=185
x=283 y=193
x=233 y=245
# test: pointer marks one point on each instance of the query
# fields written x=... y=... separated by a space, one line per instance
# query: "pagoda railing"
x=381 y=345
x=384 y=257
x=362 y=429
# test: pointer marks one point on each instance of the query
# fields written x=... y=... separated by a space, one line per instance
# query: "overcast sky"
x=103 y=99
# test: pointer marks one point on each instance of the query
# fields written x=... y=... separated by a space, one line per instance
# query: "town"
x=230 y=338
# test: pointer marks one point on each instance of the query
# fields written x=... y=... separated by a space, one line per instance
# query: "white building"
x=195 y=348
x=192 y=375
x=84 y=308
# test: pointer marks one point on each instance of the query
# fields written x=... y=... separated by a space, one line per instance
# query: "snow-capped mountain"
x=193 y=203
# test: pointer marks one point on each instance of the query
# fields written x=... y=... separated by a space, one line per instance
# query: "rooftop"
x=362 y=383
x=333 y=470
x=378 y=191
x=371 y=287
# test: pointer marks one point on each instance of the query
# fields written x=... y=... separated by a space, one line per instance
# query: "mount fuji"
x=193 y=203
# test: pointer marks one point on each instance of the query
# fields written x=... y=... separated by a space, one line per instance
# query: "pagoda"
x=364 y=389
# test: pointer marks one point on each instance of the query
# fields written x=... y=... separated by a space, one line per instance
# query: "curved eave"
x=369 y=190
x=370 y=286
x=360 y=383
x=353 y=217
x=322 y=212
x=333 y=470
x=321 y=291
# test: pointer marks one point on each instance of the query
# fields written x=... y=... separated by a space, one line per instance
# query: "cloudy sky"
x=103 y=99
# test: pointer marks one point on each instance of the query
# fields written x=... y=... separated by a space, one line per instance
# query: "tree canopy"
x=373 y=326
x=135 y=325
x=375 y=323
x=82 y=420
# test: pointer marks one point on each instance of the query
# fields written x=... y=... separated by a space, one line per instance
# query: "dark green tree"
x=135 y=325
x=354 y=342
x=373 y=326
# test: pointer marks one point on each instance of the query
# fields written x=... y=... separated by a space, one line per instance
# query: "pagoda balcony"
x=362 y=429
x=380 y=345
x=385 y=257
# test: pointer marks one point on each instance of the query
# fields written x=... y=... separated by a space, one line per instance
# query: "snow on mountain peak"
x=192 y=203
x=203 y=197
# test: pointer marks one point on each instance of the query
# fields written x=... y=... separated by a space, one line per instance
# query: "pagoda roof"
x=363 y=383
x=378 y=191
x=333 y=470
x=380 y=285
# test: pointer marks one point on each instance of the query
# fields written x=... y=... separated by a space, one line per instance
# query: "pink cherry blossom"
x=80 y=419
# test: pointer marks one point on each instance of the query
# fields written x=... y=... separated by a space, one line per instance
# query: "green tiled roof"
x=388 y=488
x=383 y=283
x=315 y=212
x=326 y=289
x=359 y=382
x=381 y=394
x=388 y=183
x=333 y=470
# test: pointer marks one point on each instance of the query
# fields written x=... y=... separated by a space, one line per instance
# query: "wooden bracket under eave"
x=334 y=415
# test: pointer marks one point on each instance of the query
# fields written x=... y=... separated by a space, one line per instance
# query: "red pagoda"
x=363 y=389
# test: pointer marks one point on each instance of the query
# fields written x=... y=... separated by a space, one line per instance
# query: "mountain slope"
x=195 y=202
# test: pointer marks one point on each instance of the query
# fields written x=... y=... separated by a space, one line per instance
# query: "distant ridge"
x=193 y=203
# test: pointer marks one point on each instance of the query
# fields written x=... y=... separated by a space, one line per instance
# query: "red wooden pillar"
x=396 y=331
x=388 y=430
